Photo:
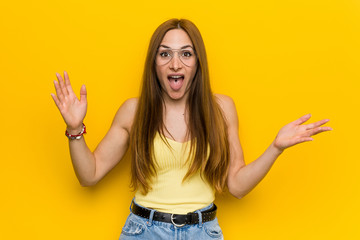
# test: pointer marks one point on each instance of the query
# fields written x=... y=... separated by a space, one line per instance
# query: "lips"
x=176 y=76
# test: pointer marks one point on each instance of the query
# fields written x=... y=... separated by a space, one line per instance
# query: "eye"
x=165 y=54
x=187 y=54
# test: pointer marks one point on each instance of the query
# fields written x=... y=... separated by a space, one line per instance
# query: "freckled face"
x=175 y=77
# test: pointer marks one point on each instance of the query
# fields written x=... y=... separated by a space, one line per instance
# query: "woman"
x=184 y=141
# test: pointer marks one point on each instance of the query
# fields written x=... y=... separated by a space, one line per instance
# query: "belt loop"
x=200 y=218
x=151 y=217
x=132 y=201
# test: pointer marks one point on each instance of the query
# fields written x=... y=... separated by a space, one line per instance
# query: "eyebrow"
x=186 y=46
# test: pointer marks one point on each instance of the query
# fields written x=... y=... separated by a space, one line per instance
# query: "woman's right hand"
x=71 y=108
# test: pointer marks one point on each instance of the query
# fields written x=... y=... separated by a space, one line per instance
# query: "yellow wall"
x=278 y=60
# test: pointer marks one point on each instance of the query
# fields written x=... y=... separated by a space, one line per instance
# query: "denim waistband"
x=152 y=211
x=202 y=209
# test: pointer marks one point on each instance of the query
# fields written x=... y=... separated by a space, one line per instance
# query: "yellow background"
x=278 y=60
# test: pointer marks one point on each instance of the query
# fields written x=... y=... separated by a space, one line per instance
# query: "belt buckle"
x=172 y=221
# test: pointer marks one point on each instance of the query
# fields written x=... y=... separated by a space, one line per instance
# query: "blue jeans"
x=137 y=227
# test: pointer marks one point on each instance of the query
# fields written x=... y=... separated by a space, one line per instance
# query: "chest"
x=172 y=157
x=176 y=127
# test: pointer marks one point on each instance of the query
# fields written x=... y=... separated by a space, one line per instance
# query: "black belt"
x=177 y=220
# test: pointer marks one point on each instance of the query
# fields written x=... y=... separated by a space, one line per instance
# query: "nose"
x=175 y=62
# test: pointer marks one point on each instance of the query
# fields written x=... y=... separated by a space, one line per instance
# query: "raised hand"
x=71 y=108
x=294 y=133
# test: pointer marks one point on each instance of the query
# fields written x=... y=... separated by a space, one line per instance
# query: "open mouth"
x=176 y=81
x=175 y=78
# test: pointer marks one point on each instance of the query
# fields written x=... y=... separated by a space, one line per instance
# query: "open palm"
x=294 y=133
x=72 y=109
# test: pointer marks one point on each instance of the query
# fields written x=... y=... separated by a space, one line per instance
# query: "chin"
x=176 y=95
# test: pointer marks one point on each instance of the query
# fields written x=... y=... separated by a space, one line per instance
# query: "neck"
x=178 y=105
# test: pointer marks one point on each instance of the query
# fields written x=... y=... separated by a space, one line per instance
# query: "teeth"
x=176 y=76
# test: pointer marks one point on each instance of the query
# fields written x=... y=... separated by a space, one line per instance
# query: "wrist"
x=77 y=135
x=74 y=130
x=277 y=151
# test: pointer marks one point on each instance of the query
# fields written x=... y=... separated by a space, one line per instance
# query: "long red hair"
x=207 y=125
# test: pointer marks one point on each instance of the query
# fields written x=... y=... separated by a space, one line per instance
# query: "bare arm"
x=91 y=167
x=243 y=178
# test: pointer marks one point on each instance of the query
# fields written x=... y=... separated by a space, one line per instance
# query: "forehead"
x=176 y=38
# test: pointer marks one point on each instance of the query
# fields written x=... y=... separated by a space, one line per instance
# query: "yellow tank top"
x=169 y=193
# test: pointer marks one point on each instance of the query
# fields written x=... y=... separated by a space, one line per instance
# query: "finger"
x=317 y=124
x=56 y=100
x=302 y=119
x=319 y=130
x=67 y=83
x=83 y=94
x=62 y=85
x=304 y=139
x=59 y=92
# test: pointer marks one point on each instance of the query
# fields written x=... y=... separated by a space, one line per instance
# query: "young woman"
x=183 y=138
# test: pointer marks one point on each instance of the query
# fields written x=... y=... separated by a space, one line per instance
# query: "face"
x=175 y=76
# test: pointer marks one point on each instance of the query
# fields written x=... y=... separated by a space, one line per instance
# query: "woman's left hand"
x=294 y=133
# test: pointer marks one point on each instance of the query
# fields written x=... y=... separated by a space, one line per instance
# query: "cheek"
x=159 y=73
x=160 y=77
x=193 y=73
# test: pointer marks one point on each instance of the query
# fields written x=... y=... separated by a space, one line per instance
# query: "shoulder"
x=227 y=105
x=124 y=116
x=130 y=104
x=223 y=99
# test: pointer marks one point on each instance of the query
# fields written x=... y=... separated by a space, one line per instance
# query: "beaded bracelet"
x=77 y=136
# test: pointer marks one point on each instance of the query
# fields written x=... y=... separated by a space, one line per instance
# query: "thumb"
x=83 y=93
